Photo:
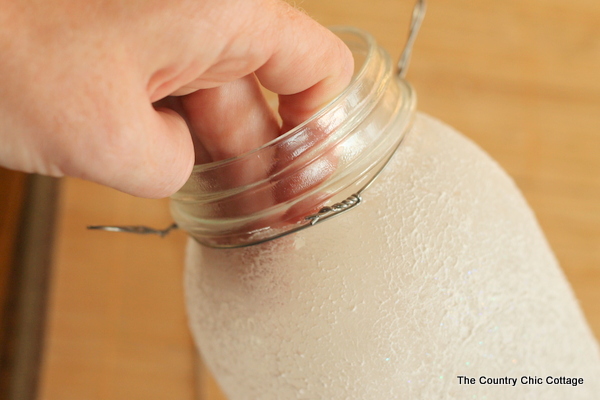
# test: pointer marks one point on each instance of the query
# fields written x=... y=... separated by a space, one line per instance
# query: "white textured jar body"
x=442 y=272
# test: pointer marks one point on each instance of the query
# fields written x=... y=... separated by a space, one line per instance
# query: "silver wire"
x=140 y=230
x=417 y=19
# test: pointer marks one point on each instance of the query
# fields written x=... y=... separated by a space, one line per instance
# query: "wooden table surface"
x=521 y=78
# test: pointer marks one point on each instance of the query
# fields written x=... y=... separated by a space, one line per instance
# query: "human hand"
x=79 y=80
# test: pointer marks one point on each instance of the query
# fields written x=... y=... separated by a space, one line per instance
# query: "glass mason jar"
x=438 y=270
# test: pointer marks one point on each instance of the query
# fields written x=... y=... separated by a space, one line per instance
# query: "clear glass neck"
x=279 y=187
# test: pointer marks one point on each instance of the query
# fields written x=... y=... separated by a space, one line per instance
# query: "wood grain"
x=117 y=327
x=520 y=78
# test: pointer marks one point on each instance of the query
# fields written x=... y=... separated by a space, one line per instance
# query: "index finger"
x=308 y=67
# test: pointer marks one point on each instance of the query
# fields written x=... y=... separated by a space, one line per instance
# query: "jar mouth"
x=279 y=187
x=370 y=46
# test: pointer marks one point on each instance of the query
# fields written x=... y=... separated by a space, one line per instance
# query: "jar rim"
x=282 y=186
x=371 y=47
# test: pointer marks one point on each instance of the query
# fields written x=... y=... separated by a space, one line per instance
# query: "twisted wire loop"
x=334 y=209
x=140 y=230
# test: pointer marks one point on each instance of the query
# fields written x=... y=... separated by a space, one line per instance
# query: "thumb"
x=148 y=154
x=169 y=155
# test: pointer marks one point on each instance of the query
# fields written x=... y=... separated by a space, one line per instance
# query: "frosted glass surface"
x=443 y=271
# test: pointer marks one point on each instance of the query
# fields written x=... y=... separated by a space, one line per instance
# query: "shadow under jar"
x=440 y=271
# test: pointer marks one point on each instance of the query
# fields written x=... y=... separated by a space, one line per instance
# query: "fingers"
x=308 y=67
x=290 y=54
x=303 y=62
x=230 y=119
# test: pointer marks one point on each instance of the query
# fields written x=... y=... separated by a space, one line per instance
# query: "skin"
x=85 y=84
